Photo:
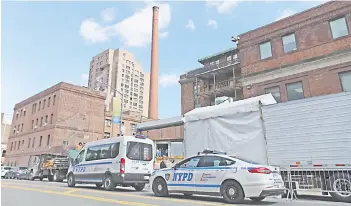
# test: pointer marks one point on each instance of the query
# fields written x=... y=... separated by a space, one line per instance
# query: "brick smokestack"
x=153 y=95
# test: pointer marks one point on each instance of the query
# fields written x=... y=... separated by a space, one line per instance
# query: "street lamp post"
x=121 y=111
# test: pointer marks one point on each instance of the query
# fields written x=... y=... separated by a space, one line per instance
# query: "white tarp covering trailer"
x=309 y=139
x=235 y=128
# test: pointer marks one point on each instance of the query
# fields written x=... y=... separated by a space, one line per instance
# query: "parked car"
x=4 y=170
x=10 y=174
x=22 y=173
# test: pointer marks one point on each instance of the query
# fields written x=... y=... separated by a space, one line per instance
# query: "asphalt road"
x=36 y=193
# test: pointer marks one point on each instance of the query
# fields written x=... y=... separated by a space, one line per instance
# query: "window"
x=229 y=58
x=22 y=142
x=105 y=151
x=29 y=142
x=139 y=151
x=37 y=122
x=41 y=121
x=17 y=115
x=49 y=100
x=289 y=43
x=46 y=119
x=275 y=91
x=295 y=91
x=108 y=122
x=39 y=106
x=21 y=112
x=265 y=50
x=40 y=140
x=80 y=156
x=33 y=142
x=14 y=148
x=24 y=113
x=107 y=135
x=48 y=141
x=189 y=163
x=54 y=100
x=52 y=116
x=339 y=27
x=19 y=144
x=22 y=128
x=345 y=79
x=214 y=161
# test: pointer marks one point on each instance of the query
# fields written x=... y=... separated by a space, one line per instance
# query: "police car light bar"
x=140 y=136
x=207 y=151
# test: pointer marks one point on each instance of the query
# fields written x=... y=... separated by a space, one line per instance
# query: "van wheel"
x=139 y=187
x=232 y=192
x=257 y=199
x=341 y=184
x=50 y=178
x=70 y=181
x=159 y=187
x=108 y=183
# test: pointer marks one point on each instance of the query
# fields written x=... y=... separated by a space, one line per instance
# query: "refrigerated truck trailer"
x=309 y=139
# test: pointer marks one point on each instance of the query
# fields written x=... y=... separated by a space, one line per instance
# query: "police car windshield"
x=245 y=160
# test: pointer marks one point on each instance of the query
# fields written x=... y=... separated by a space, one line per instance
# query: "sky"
x=44 y=43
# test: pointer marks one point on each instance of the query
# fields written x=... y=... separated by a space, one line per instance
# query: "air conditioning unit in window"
x=35 y=127
x=45 y=124
x=17 y=132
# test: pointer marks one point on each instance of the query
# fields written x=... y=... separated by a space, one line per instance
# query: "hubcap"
x=159 y=187
x=107 y=183
x=343 y=186
x=70 y=179
x=231 y=192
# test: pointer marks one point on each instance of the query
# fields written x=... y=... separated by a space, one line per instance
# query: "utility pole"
x=121 y=111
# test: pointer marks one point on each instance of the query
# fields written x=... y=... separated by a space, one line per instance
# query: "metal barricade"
x=318 y=180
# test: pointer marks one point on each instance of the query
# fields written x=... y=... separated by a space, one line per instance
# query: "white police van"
x=217 y=174
x=125 y=161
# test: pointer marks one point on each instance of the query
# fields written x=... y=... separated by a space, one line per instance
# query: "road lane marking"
x=70 y=191
x=101 y=199
x=116 y=193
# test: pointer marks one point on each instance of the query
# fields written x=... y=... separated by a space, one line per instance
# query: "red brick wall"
x=312 y=33
x=318 y=82
x=187 y=97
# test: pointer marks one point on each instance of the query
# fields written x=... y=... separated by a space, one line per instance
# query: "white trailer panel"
x=311 y=131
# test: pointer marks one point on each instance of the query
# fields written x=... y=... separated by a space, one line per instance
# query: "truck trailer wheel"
x=341 y=183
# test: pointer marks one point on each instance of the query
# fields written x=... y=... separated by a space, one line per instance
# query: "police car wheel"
x=159 y=187
x=232 y=192
x=108 y=183
x=70 y=181
x=257 y=199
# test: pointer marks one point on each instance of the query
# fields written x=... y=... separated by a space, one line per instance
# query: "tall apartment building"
x=5 y=133
x=53 y=121
x=118 y=70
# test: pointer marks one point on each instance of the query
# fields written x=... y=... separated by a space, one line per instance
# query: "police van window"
x=139 y=151
x=214 y=161
x=105 y=152
x=93 y=153
x=80 y=156
x=190 y=163
x=114 y=150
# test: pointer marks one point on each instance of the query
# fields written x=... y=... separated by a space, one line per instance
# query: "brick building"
x=54 y=120
x=305 y=55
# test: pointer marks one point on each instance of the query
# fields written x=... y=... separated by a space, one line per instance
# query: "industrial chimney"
x=153 y=94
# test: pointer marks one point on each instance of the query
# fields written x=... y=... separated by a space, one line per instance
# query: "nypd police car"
x=218 y=174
